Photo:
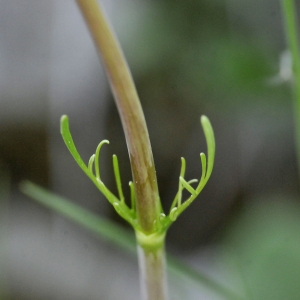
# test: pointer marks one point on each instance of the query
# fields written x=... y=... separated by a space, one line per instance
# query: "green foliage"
x=92 y=170
x=178 y=206
x=120 y=206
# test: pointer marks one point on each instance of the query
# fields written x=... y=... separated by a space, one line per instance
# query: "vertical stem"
x=132 y=117
x=152 y=273
x=151 y=258
x=290 y=20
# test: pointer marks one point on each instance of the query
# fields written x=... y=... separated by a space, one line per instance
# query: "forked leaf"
x=67 y=137
x=207 y=167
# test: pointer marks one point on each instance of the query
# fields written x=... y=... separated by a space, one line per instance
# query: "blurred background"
x=226 y=59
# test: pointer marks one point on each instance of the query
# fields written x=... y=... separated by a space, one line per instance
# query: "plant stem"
x=132 y=117
x=290 y=20
x=148 y=206
x=152 y=273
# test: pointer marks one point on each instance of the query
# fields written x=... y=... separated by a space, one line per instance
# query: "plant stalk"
x=147 y=202
x=131 y=113
x=152 y=273
x=290 y=20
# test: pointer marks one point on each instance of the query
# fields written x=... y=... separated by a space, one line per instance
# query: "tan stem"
x=132 y=117
x=152 y=273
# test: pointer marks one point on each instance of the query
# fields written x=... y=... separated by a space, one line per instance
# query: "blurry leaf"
x=116 y=234
x=266 y=243
x=101 y=226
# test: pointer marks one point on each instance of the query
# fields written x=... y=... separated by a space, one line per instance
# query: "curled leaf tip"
x=204 y=119
x=105 y=141
x=64 y=117
x=64 y=123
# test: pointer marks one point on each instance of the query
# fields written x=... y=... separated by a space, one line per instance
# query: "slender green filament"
x=118 y=178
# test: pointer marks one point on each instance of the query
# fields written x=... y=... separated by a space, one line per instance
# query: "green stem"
x=289 y=14
x=132 y=117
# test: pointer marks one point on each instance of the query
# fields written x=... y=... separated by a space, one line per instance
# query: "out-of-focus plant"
x=265 y=240
x=264 y=246
x=145 y=213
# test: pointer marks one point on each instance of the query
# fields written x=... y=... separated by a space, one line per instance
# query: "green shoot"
x=121 y=208
x=130 y=213
x=178 y=206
